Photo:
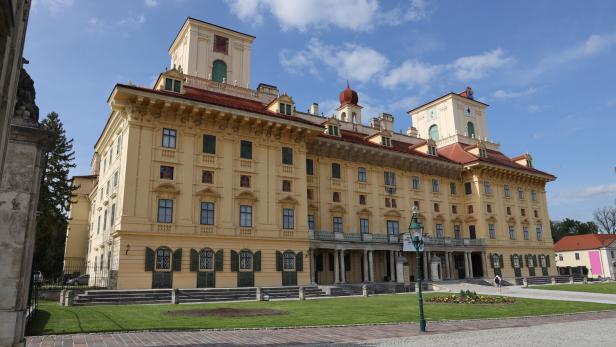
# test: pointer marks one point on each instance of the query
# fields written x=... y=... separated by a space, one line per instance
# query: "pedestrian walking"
x=498 y=281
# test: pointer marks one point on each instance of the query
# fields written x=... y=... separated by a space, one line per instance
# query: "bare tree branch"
x=606 y=219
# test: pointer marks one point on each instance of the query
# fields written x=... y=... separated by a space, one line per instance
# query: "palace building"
x=202 y=181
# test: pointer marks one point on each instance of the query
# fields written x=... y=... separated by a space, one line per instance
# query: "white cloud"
x=350 y=61
x=52 y=6
x=405 y=103
x=101 y=25
x=151 y=3
x=132 y=20
x=411 y=73
x=303 y=15
x=510 y=94
x=477 y=66
x=586 y=193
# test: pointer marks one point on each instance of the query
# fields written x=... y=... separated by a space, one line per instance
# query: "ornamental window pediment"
x=169 y=188
x=246 y=195
x=208 y=191
x=338 y=209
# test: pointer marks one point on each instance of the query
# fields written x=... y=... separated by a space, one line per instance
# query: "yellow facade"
x=174 y=176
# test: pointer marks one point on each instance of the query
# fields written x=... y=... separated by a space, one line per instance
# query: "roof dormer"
x=171 y=80
x=382 y=138
x=479 y=149
x=525 y=160
x=283 y=104
x=428 y=147
x=332 y=127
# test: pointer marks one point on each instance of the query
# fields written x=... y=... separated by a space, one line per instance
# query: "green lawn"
x=603 y=288
x=55 y=319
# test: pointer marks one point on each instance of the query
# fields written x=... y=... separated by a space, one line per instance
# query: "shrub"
x=468 y=297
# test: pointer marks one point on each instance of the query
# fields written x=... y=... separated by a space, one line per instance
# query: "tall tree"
x=606 y=219
x=568 y=227
x=54 y=201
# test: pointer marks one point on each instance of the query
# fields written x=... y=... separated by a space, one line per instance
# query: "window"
x=393 y=203
x=482 y=152
x=337 y=224
x=245 y=260
x=508 y=210
x=286 y=185
x=387 y=202
x=310 y=194
x=542 y=261
x=511 y=232
x=432 y=150
x=207 y=176
x=416 y=204
x=487 y=188
x=536 y=213
x=435 y=186
x=209 y=144
x=362 y=199
x=245 y=181
x=390 y=179
x=361 y=174
x=163 y=259
x=98 y=226
x=531 y=261
x=219 y=71
x=468 y=188
x=470 y=209
x=165 y=210
x=393 y=228
x=112 y=216
x=207 y=213
x=221 y=44
x=335 y=170
x=108 y=185
x=525 y=232
x=523 y=212
x=287 y=156
x=439 y=231
x=496 y=261
x=364 y=226
x=336 y=197
x=470 y=130
x=119 y=144
x=285 y=109
x=452 y=188
x=612 y=254
x=288 y=260
x=245 y=149
x=492 y=231
x=116 y=176
x=311 y=223
x=309 y=167
x=385 y=141
x=577 y=256
x=516 y=261
x=436 y=207
x=206 y=259
x=560 y=257
x=287 y=218
x=173 y=85
x=333 y=130
x=539 y=231
x=246 y=216
x=489 y=208
x=533 y=195
x=105 y=220
x=507 y=191
x=454 y=209
x=415 y=182
x=166 y=172
x=520 y=193
x=433 y=132
x=169 y=136
x=456 y=232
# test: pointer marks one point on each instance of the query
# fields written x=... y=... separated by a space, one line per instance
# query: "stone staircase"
x=120 y=297
x=216 y=294
x=291 y=292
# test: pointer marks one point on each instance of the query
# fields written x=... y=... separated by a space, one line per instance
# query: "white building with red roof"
x=593 y=255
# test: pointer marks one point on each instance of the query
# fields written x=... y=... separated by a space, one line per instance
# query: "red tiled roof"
x=582 y=242
x=457 y=152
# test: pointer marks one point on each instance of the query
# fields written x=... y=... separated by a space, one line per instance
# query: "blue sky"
x=546 y=68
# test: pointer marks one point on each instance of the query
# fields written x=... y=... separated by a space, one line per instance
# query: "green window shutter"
x=491 y=261
x=299 y=261
x=194 y=260
x=149 y=259
x=219 y=259
x=502 y=264
x=547 y=260
x=278 y=261
x=235 y=261
x=257 y=261
x=512 y=262
x=177 y=260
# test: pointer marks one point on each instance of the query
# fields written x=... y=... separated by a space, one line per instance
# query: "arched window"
x=434 y=132
x=470 y=129
x=163 y=258
x=288 y=262
x=206 y=259
x=353 y=117
x=219 y=71
x=343 y=116
x=245 y=260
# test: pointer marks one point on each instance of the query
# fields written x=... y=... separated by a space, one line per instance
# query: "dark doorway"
x=245 y=279
x=289 y=278
x=477 y=264
x=459 y=265
x=472 y=233
x=162 y=279
x=206 y=279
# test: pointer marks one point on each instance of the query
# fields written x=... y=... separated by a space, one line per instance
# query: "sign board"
x=407 y=244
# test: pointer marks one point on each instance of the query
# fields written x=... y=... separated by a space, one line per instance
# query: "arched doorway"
x=219 y=71
x=433 y=132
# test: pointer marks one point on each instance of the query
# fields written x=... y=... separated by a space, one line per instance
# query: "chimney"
x=314 y=109
x=375 y=123
x=387 y=121
x=412 y=131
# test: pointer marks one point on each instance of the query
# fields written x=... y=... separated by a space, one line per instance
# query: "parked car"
x=82 y=280
x=37 y=277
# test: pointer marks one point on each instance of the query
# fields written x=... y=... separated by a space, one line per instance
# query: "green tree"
x=568 y=227
x=54 y=201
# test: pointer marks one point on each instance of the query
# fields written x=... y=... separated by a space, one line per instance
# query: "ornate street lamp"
x=416 y=232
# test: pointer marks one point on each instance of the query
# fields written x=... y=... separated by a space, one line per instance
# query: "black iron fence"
x=33 y=298
x=77 y=276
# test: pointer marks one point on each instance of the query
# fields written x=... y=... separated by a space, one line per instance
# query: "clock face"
x=467 y=111
x=432 y=113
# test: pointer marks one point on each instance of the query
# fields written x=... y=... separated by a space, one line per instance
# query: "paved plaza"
x=503 y=332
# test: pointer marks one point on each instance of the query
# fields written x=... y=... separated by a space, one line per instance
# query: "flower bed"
x=467 y=297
